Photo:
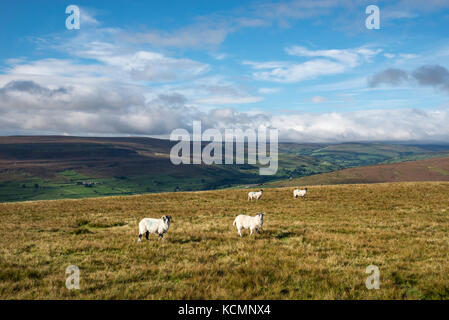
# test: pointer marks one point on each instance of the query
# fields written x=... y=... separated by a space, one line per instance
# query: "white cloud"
x=219 y=56
x=371 y=125
x=406 y=56
x=401 y=57
x=299 y=72
x=151 y=66
x=87 y=17
x=206 y=34
x=269 y=90
x=409 y=9
x=324 y=62
x=349 y=57
x=121 y=60
x=267 y=64
x=318 y=99
x=54 y=95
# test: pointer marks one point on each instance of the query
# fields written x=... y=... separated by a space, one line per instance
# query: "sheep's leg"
x=161 y=237
x=147 y=235
x=251 y=233
x=140 y=238
x=240 y=231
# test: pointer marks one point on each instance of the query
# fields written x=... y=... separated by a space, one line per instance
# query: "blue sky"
x=309 y=68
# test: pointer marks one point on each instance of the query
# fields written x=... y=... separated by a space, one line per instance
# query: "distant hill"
x=421 y=170
x=54 y=167
x=39 y=168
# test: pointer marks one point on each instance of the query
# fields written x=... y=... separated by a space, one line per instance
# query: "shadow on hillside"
x=281 y=234
x=185 y=240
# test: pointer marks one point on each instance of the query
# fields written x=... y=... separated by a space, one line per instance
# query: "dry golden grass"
x=316 y=248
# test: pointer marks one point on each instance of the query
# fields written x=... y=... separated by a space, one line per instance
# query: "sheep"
x=255 y=195
x=248 y=222
x=156 y=226
x=299 y=193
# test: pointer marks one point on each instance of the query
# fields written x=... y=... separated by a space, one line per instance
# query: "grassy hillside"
x=316 y=248
x=422 y=170
x=52 y=167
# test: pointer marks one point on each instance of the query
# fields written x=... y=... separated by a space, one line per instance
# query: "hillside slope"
x=421 y=170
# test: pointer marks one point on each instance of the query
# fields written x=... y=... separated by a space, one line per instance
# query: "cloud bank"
x=28 y=106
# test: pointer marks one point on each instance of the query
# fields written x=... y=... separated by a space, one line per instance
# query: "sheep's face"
x=166 y=219
x=261 y=216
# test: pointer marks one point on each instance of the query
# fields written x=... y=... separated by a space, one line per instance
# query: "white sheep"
x=255 y=195
x=156 y=226
x=248 y=222
x=299 y=193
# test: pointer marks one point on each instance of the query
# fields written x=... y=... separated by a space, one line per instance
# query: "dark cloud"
x=389 y=76
x=30 y=87
x=428 y=76
x=432 y=75
x=174 y=99
x=98 y=110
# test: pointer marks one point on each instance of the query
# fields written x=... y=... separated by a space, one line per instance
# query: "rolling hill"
x=55 y=167
x=420 y=170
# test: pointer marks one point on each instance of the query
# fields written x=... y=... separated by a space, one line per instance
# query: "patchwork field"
x=317 y=248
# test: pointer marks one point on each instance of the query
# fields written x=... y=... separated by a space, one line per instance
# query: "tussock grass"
x=317 y=248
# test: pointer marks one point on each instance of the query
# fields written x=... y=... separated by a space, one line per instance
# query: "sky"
x=310 y=69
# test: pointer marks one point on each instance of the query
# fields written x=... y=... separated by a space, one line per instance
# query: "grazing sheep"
x=248 y=222
x=299 y=193
x=156 y=226
x=255 y=195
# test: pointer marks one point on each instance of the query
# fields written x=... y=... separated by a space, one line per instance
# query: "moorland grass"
x=317 y=248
